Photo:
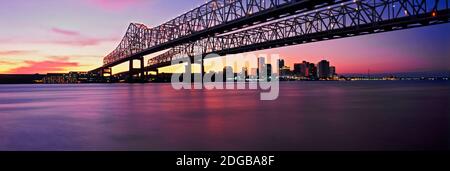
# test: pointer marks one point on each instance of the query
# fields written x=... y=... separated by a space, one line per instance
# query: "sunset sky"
x=41 y=36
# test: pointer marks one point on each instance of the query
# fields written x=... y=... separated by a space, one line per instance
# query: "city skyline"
x=76 y=35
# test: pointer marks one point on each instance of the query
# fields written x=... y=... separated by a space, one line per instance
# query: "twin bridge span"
x=236 y=26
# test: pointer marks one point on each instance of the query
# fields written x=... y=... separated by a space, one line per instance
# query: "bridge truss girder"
x=211 y=18
x=343 y=20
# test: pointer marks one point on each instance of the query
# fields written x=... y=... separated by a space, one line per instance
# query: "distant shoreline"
x=37 y=79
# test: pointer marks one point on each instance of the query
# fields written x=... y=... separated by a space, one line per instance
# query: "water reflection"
x=307 y=116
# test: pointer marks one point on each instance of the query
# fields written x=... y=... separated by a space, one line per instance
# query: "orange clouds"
x=15 y=52
x=7 y=63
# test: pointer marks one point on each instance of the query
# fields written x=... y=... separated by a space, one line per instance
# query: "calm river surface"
x=361 y=115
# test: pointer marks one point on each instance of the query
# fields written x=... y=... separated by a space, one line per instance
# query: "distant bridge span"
x=275 y=23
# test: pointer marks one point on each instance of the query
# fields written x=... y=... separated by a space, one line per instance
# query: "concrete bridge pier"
x=106 y=71
x=140 y=72
x=202 y=65
x=141 y=69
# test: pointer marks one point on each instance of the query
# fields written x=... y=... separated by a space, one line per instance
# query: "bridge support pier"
x=202 y=69
x=200 y=61
x=142 y=69
x=130 y=72
x=202 y=66
x=106 y=71
x=136 y=71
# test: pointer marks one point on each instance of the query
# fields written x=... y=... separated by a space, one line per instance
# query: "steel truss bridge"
x=235 y=26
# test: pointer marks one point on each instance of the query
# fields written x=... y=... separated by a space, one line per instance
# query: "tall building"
x=261 y=62
x=285 y=71
x=301 y=69
x=269 y=70
x=323 y=69
x=262 y=70
x=312 y=71
x=280 y=63
x=297 y=68
x=332 y=71
x=304 y=69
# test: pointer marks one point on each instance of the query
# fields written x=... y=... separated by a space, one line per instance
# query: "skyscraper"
x=269 y=70
x=323 y=69
x=304 y=69
x=261 y=62
x=280 y=63
x=262 y=70
x=332 y=71
x=312 y=71
x=297 y=68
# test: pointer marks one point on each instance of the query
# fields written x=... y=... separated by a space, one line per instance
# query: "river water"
x=359 y=115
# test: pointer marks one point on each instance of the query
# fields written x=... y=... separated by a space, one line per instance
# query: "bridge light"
x=434 y=14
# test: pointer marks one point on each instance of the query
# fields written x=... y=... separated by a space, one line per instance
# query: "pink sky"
x=46 y=66
x=115 y=5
